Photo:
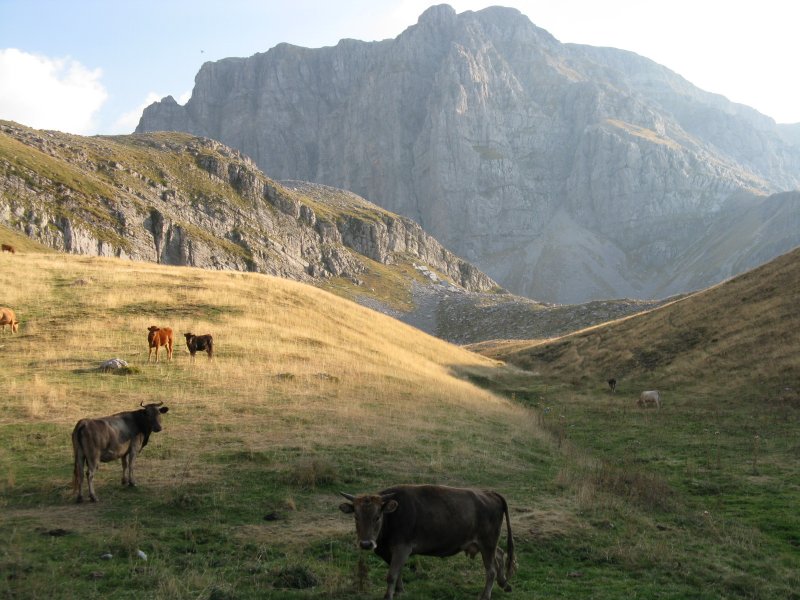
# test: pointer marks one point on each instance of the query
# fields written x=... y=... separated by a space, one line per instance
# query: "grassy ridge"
x=311 y=394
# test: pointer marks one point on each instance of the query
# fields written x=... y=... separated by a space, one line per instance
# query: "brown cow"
x=7 y=317
x=9 y=248
x=122 y=435
x=433 y=520
x=157 y=337
x=198 y=343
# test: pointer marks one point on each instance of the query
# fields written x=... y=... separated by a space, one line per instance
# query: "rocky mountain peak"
x=495 y=137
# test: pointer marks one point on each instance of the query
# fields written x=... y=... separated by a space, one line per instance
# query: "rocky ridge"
x=565 y=172
x=183 y=200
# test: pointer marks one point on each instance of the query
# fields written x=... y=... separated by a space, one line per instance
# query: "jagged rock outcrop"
x=565 y=172
x=182 y=200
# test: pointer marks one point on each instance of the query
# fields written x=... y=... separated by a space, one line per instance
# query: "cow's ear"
x=163 y=409
x=346 y=508
x=390 y=506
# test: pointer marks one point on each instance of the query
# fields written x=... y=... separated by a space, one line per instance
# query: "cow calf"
x=199 y=343
x=433 y=520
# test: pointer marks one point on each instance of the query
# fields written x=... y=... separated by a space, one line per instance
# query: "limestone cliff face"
x=182 y=200
x=566 y=172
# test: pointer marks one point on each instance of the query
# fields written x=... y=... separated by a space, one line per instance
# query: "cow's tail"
x=511 y=561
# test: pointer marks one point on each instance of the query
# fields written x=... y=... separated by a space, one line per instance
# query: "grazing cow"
x=122 y=435
x=157 y=337
x=649 y=397
x=9 y=248
x=612 y=384
x=7 y=317
x=199 y=343
x=433 y=520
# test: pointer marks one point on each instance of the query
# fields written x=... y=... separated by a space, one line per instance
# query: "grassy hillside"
x=311 y=394
x=735 y=335
x=724 y=448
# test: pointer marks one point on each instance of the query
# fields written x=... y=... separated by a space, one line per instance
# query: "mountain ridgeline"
x=177 y=199
x=565 y=172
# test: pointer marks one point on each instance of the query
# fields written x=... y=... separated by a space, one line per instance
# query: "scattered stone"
x=94 y=575
x=106 y=556
x=112 y=364
x=273 y=516
x=141 y=555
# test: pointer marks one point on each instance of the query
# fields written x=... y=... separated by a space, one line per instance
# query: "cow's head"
x=368 y=512
x=154 y=412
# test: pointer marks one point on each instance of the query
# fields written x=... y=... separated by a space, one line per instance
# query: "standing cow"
x=649 y=397
x=199 y=343
x=433 y=520
x=157 y=337
x=7 y=317
x=122 y=435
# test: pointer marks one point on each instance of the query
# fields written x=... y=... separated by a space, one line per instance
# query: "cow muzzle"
x=367 y=545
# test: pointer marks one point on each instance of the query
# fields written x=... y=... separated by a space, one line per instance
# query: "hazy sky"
x=90 y=66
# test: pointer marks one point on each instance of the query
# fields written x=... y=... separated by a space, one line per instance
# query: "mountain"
x=565 y=172
x=177 y=199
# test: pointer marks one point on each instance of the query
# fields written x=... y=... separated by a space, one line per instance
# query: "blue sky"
x=91 y=66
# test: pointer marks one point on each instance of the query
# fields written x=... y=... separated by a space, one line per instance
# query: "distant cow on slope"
x=9 y=248
x=7 y=317
x=157 y=337
x=122 y=435
x=612 y=384
x=649 y=397
x=433 y=520
x=198 y=343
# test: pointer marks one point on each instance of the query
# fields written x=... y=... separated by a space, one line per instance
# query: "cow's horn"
x=160 y=403
x=348 y=496
x=141 y=403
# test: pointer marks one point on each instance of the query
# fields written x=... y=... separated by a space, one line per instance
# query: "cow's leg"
x=149 y=353
x=399 y=557
x=127 y=466
x=131 y=460
x=488 y=562
x=91 y=467
x=78 y=471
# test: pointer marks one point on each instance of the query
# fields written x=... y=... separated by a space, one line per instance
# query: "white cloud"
x=49 y=93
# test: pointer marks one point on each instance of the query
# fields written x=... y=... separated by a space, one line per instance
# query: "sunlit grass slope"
x=742 y=335
x=308 y=394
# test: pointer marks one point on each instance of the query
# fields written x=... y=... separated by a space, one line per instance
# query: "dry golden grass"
x=295 y=367
x=744 y=330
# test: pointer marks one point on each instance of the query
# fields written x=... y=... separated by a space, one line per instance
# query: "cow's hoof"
x=79 y=499
x=507 y=588
x=93 y=498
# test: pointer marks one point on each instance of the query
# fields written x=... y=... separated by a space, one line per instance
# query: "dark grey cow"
x=122 y=435
x=433 y=520
x=200 y=343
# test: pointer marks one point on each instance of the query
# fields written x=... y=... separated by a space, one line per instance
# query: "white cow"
x=649 y=397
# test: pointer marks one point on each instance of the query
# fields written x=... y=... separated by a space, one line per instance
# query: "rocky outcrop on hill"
x=565 y=172
x=182 y=200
